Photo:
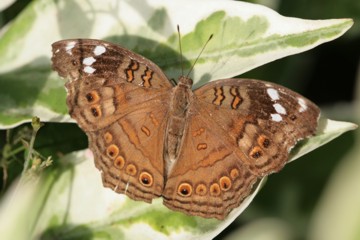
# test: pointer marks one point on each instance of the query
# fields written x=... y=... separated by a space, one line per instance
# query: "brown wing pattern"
x=238 y=131
x=262 y=121
x=208 y=179
x=120 y=100
x=105 y=80
x=129 y=153
x=76 y=58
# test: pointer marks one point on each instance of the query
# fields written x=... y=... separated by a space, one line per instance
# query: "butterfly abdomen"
x=179 y=105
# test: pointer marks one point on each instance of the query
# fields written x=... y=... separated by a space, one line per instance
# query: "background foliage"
x=301 y=201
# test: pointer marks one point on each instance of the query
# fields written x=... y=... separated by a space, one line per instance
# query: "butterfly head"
x=185 y=81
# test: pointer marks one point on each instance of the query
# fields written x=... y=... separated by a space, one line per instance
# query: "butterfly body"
x=201 y=150
x=179 y=104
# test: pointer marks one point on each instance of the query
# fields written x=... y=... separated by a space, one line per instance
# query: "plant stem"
x=36 y=126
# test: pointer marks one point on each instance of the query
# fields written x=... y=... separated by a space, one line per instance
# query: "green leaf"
x=245 y=36
x=71 y=203
x=338 y=208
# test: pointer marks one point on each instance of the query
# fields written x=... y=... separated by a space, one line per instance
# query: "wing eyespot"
x=119 y=162
x=184 y=190
x=112 y=151
x=146 y=179
x=225 y=183
x=201 y=189
x=131 y=169
x=92 y=97
x=215 y=190
x=95 y=111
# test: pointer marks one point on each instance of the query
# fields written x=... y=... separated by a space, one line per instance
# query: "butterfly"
x=201 y=150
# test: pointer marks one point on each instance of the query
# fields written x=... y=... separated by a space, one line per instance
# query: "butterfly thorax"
x=179 y=105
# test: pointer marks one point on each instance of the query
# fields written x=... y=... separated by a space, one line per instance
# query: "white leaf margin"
x=5 y=4
x=128 y=17
x=131 y=17
x=78 y=196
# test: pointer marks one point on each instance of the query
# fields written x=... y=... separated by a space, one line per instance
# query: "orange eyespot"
x=112 y=151
x=92 y=97
x=225 y=183
x=234 y=173
x=119 y=162
x=215 y=190
x=95 y=111
x=184 y=190
x=201 y=189
x=108 y=137
x=263 y=141
x=146 y=179
x=131 y=170
x=256 y=152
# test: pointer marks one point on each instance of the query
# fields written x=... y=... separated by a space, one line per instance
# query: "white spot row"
x=273 y=94
x=279 y=108
x=89 y=61
x=276 y=117
x=99 y=50
x=302 y=104
x=89 y=69
x=69 y=47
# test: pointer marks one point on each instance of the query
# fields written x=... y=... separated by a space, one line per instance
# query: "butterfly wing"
x=120 y=100
x=129 y=153
x=208 y=178
x=238 y=131
x=100 y=71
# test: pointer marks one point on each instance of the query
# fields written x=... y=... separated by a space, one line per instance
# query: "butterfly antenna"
x=192 y=67
x=181 y=55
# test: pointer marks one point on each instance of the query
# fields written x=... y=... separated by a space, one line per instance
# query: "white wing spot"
x=302 y=104
x=279 y=108
x=57 y=50
x=89 y=69
x=89 y=60
x=273 y=94
x=276 y=117
x=99 y=50
x=69 y=47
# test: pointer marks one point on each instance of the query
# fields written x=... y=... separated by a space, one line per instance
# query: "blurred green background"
x=312 y=198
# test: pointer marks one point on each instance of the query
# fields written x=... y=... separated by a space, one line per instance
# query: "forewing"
x=106 y=81
x=79 y=58
x=262 y=121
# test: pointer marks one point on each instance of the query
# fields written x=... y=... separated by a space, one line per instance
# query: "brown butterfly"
x=201 y=150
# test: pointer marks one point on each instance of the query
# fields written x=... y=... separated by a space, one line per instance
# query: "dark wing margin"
x=74 y=58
